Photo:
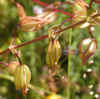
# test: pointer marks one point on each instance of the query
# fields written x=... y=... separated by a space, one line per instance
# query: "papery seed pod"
x=53 y=96
x=20 y=10
x=79 y=10
x=53 y=53
x=87 y=48
x=22 y=77
x=12 y=66
x=48 y=16
x=29 y=23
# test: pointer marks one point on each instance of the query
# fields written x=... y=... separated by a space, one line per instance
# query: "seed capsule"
x=29 y=24
x=53 y=53
x=22 y=77
x=87 y=48
x=48 y=16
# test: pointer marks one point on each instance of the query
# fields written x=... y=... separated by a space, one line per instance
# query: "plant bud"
x=20 y=10
x=22 y=77
x=30 y=24
x=53 y=53
x=12 y=66
x=53 y=96
x=79 y=10
x=87 y=48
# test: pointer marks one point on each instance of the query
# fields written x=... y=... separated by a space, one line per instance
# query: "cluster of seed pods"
x=33 y=23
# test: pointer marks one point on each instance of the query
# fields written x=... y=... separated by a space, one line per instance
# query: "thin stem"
x=42 y=37
x=57 y=10
x=97 y=1
x=91 y=2
x=7 y=77
x=69 y=63
x=25 y=43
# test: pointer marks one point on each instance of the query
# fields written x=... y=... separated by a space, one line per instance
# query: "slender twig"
x=91 y=2
x=97 y=1
x=69 y=63
x=57 y=10
x=26 y=43
x=42 y=37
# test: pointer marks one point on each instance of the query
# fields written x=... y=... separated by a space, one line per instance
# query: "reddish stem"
x=26 y=43
x=57 y=10
x=42 y=37
x=97 y=1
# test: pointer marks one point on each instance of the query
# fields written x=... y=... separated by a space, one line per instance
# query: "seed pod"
x=53 y=53
x=87 y=48
x=20 y=10
x=31 y=24
x=12 y=66
x=48 y=17
x=79 y=10
x=22 y=77
x=53 y=96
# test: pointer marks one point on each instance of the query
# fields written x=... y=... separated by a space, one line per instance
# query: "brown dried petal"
x=21 y=12
x=87 y=48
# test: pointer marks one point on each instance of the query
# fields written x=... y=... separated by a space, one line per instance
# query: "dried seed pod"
x=48 y=17
x=53 y=96
x=29 y=23
x=87 y=48
x=79 y=10
x=53 y=53
x=20 y=10
x=12 y=66
x=22 y=77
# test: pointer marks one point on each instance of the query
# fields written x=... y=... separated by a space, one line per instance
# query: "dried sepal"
x=87 y=48
x=53 y=53
x=21 y=11
x=22 y=77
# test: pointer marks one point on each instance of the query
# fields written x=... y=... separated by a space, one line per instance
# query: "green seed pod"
x=79 y=10
x=87 y=48
x=53 y=53
x=22 y=77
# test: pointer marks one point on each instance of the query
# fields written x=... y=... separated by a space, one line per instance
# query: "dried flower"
x=22 y=77
x=87 y=48
x=53 y=53
x=29 y=23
